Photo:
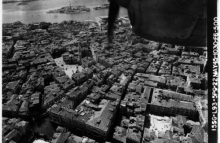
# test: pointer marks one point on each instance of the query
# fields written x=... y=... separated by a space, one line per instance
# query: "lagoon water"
x=35 y=11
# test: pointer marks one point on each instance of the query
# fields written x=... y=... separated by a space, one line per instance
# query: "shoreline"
x=26 y=14
x=6 y=2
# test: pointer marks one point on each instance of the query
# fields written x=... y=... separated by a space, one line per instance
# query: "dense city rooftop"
x=96 y=92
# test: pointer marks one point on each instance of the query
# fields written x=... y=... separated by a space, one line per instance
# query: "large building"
x=88 y=118
x=172 y=103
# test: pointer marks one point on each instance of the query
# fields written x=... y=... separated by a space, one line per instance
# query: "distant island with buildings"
x=23 y=3
x=103 y=6
x=77 y=9
x=70 y=10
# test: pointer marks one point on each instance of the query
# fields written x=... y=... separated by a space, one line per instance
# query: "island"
x=103 y=6
x=23 y=3
x=70 y=10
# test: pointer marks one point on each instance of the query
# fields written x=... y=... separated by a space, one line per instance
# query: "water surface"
x=35 y=11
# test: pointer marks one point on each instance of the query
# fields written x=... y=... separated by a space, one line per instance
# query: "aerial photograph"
x=104 y=71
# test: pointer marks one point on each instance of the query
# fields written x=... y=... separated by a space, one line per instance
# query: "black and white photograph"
x=109 y=71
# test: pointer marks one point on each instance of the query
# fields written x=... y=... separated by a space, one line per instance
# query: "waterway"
x=35 y=11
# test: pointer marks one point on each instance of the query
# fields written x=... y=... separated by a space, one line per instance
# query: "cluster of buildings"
x=173 y=129
x=70 y=9
x=15 y=130
x=132 y=91
x=103 y=6
x=64 y=135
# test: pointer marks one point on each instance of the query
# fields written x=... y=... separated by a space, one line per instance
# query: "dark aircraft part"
x=181 y=22
x=112 y=15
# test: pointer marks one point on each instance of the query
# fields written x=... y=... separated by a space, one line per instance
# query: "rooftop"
x=99 y=116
